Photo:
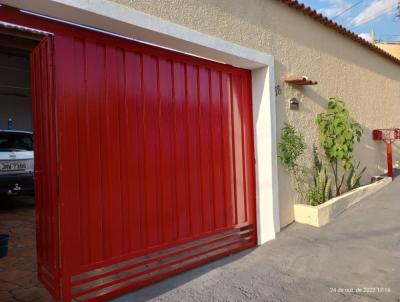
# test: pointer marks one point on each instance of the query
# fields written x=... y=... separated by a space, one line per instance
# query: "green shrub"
x=338 y=132
x=290 y=147
x=315 y=196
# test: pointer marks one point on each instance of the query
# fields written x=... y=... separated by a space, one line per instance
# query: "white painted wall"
x=268 y=223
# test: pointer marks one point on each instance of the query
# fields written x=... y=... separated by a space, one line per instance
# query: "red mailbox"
x=388 y=136
x=377 y=135
x=397 y=133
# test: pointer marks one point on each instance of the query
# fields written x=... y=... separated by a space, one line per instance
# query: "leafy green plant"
x=290 y=147
x=354 y=177
x=338 y=132
x=322 y=189
x=315 y=196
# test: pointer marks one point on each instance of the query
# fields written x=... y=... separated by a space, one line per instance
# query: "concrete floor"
x=18 y=281
x=355 y=258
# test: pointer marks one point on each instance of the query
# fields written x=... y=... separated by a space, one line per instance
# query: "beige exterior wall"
x=392 y=48
x=366 y=81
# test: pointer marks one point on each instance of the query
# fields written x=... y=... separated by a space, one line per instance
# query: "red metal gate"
x=47 y=212
x=155 y=161
x=157 y=164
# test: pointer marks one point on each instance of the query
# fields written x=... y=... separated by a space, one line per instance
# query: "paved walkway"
x=361 y=249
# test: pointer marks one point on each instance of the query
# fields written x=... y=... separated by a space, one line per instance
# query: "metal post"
x=389 y=158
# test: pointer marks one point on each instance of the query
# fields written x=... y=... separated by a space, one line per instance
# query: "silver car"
x=16 y=162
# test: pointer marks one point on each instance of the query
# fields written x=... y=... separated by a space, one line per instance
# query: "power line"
x=383 y=12
x=397 y=17
x=347 y=9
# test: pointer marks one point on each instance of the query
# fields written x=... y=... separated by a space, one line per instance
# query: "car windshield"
x=16 y=141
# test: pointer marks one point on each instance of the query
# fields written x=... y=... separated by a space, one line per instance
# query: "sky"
x=363 y=16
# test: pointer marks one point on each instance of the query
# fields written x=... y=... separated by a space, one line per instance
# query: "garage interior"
x=18 y=276
x=16 y=102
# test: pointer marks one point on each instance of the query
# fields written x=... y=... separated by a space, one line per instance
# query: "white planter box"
x=326 y=212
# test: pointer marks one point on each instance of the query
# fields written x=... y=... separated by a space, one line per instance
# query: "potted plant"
x=4 y=244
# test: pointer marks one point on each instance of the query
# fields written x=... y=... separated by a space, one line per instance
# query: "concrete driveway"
x=355 y=258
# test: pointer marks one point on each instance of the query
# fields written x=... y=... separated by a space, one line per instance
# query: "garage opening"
x=18 y=270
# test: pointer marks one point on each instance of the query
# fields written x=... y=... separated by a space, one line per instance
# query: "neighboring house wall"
x=15 y=99
x=392 y=48
x=366 y=81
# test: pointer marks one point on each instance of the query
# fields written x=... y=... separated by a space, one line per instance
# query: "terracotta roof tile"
x=312 y=13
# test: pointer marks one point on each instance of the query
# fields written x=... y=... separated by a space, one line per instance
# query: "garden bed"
x=324 y=213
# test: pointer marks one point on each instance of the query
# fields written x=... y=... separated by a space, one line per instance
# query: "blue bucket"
x=4 y=244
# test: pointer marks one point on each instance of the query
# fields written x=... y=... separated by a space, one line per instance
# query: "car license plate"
x=12 y=166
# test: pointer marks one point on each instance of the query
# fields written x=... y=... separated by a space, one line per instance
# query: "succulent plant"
x=354 y=177
x=324 y=184
x=322 y=189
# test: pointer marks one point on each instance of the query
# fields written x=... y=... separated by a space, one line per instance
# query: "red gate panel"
x=157 y=163
x=47 y=212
